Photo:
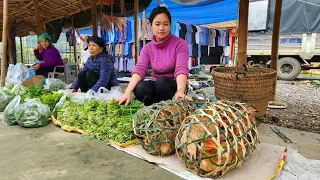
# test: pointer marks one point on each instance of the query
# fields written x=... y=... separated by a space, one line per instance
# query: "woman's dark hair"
x=159 y=10
x=98 y=41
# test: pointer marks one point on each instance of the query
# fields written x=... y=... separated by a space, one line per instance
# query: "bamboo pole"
x=136 y=24
x=94 y=17
x=4 y=42
x=243 y=32
x=74 y=44
x=21 y=50
x=275 y=41
x=37 y=16
x=10 y=46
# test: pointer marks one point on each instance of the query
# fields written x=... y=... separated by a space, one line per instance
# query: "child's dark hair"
x=159 y=10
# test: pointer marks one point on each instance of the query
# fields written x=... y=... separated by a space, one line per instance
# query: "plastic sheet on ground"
x=298 y=167
x=262 y=164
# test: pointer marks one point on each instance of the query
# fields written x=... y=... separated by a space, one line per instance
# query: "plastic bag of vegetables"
x=18 y=89
x=59 y=105
x=3 y=100
x=55 y=84
x=32 y=114
x=10 y=111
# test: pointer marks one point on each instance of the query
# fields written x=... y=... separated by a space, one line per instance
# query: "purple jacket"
x=51 y=57
x=168 y=57
x=102 y=65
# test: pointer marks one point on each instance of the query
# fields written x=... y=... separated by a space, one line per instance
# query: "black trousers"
x=149 y=92
x=87 y=80
x=44 y=71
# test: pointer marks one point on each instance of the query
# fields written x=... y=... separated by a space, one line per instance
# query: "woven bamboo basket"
x=155 y=126
x=33 y=81
x=216 y=138
x=253 y=86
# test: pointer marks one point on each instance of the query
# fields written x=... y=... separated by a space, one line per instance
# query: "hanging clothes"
x=194 y=50
x=216 y=38
x=116 y=63
x=188 y=34
x=149 y=31
x=183 y=31
x=212 y=38
x=193 y=34
x=178 y=28
x=198 y=35
x=129 y=32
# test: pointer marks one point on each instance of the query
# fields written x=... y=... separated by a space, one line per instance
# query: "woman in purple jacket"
x=48 y=55
x=168 y=56
x=98 y=71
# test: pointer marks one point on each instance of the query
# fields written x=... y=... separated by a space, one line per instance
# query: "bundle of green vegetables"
x=101 y=120
x=32 y=114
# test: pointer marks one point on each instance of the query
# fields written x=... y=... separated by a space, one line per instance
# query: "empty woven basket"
x=253 y=86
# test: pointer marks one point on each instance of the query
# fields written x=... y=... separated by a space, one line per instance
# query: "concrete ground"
x=51 y=153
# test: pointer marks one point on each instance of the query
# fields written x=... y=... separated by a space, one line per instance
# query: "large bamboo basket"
x=155 y=126
x=253 y=86
x=217 y=138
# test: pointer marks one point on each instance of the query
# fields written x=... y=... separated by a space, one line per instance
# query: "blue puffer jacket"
x=102 y=65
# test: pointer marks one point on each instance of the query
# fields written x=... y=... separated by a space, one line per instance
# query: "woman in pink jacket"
x=168 y=56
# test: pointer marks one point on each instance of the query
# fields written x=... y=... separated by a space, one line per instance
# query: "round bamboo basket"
x=33 y=81
x=155 y=126
x=217 y=138
x=251 y=85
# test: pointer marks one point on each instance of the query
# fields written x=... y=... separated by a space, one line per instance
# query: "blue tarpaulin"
x=205 y=12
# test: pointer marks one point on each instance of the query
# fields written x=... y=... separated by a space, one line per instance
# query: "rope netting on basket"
x=155 y=126
x=217 y=138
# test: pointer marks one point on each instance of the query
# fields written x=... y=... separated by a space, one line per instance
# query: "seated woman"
x=168 y=56
x=48 y=55
x=98 y=71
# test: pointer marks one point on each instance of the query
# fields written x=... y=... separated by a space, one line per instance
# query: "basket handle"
x=245 y=68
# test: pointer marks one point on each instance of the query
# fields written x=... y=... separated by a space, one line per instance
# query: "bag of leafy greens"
x=3 y=100
x=55 y=84
x=33 y=114
x=59 y=105
x=18 y=89
x=10 y=111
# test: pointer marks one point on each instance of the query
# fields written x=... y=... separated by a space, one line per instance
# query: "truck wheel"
x=288 y=68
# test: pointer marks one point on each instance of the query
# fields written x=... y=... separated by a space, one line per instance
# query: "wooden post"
x=94 y=17
x=10 y=46
x=74 y=44
x=136 y=24
x=21 y=50
x=243 y=32
x=275 y=41
x=37 y=16
x=4 y=42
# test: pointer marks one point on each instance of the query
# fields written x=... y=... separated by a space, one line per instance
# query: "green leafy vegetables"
x=101 y=120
